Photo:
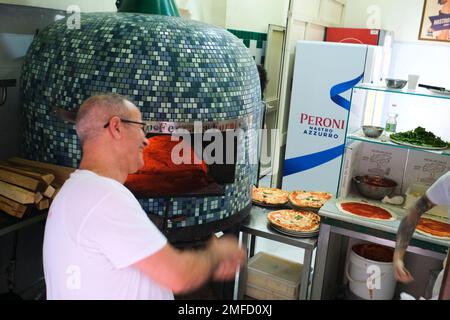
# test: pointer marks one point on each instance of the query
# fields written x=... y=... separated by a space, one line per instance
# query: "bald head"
x=98 y=110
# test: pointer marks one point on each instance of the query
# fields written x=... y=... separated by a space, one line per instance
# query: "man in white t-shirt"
x=99 y=243
x=437 y=194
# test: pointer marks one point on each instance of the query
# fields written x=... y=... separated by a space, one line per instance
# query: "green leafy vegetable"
x=420 y=137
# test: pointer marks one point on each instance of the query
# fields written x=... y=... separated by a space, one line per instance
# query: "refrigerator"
x=323 y=78
x=358 y=35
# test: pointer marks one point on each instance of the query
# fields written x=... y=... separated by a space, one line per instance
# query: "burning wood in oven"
x=160 y=176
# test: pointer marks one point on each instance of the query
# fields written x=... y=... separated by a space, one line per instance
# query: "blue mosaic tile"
x=174 y=69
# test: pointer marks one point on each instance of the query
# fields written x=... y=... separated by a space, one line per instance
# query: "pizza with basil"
x=434 y=228
x=309 y=199
x=365 y=210
x=269 y=196
x=293 y=220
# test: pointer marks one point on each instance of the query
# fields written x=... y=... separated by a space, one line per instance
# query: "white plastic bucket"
x=370 y=272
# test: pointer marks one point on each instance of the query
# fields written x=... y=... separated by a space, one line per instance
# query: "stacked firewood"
x=25 y=184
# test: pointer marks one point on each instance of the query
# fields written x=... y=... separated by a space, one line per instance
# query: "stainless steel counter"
x=330 y=210
x=256 y=226
x=336 y=227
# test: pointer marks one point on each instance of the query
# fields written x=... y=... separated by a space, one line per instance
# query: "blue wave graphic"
x=313 y=160
x=336 y=90
x=310 y=161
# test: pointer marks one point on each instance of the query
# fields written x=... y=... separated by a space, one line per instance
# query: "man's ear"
x=115 y=128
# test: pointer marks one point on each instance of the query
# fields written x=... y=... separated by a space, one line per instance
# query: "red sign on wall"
x=353 y=35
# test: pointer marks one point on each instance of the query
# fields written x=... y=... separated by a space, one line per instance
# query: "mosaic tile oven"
x=174 y=69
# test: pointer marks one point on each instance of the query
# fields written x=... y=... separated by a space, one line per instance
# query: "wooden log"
x=38 y=197
x=17 y=194
x=19 y=180
x=49 y=192
x=43 y=204
x=36 y=170
x=46 y=178
x=12 y=208
x=56 y=192
x=61 y=173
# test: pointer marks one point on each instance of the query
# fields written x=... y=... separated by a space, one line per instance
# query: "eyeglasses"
x=143 y=125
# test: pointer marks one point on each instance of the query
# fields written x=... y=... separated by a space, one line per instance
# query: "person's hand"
x=227 y=269
x=400 y=272
x=229 y=256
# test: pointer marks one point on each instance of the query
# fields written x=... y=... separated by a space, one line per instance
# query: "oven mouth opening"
x=173 y=168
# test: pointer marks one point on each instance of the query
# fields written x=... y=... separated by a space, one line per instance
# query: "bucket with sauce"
x=370 y=271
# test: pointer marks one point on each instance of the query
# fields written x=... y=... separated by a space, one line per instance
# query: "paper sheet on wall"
x=425 y=168
x=421 y=171
x=349 y=167
x=384 y=161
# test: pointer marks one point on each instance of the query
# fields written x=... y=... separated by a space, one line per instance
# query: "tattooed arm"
x=404 y=235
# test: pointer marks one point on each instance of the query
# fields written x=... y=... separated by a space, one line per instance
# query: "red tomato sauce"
x=366 y=210
x=434 y=227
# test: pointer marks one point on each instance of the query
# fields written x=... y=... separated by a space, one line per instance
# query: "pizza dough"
x=434 y=228
x=293 y=220
x=365 y=210
x=270 y=196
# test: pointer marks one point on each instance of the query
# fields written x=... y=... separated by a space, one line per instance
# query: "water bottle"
x=391 y=123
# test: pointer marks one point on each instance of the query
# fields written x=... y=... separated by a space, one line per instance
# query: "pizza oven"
x=188 y=79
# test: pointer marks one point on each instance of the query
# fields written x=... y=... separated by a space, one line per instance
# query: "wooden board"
x=56 y=191
x=12 y=208
x=61 y=173
x=42 y=171
x=17 y=194
x=43 y=204
x=38 y=197
x=19 y=180
x=49 y=192
x=46 y=178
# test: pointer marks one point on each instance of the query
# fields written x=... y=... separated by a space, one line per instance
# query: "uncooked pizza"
x=434 y=228
x=309 y=199
x=293 y=220
x=269 y=196
x=365 y=210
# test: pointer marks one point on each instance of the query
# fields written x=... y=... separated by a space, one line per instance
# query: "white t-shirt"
x=439 y=192
x=94 y=232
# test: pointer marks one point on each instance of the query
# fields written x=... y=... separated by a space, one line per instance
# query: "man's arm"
x=183 y=271
x=404 y=235
x=409 y=222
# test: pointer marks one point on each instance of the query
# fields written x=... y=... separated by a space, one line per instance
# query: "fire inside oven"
x=186 y=164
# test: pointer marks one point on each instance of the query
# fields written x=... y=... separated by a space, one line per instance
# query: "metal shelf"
x=330 y=210
x=417 y=92
x=359 y=136
x=256 y=226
